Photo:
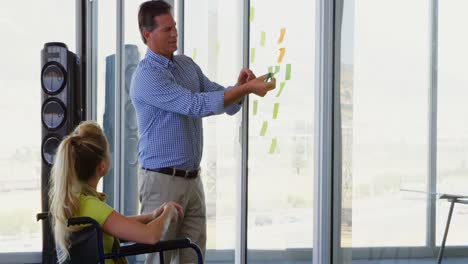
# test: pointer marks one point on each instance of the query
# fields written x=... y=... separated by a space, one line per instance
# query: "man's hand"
x=261 y=86
x=245 y=75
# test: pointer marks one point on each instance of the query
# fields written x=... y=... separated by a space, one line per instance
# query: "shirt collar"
x=160 y=59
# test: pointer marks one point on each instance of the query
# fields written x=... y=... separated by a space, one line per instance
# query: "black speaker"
x=62 y=109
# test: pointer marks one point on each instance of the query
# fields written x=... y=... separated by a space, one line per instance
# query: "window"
x=452 y=132
x=213 y=39
x=384 y=99
x=281 y=130
x=25 y=27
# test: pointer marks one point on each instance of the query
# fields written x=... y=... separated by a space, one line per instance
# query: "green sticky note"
x=262 y=38
x=273 y=146
x=255 y=107
x=270 y=69
x=275 y=110
x=277 y=68
x=288 y=71
x=252 y=55
x=281 y=89
x=264 y=128
x=252 y=13
x=194 y=57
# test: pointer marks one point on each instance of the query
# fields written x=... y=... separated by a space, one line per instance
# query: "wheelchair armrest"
x=83 y=221
x=136 y=249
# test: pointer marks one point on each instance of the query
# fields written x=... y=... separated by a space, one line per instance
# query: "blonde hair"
x=77 y=158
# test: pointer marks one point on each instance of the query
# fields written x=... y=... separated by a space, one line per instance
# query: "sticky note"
x=262 y=38
x=281 y=37
x=275 y=110
x=218 y=47
x=252 y=13
x=273 y=146
x=194 y=57
x=277 y=68
x=288 y=72
x=255 y=107
x=252 y=55
x=264 y=128
x=281 y=89
x=270 y=69
x=281 y=55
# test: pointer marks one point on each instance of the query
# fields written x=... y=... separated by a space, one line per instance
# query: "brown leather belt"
x=189 y=174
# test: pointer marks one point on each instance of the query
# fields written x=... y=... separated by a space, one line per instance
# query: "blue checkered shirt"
x=170 y=98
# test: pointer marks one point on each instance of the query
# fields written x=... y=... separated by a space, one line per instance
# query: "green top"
x=91 y=206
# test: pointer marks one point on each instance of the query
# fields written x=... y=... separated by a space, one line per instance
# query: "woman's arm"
x=128 y=229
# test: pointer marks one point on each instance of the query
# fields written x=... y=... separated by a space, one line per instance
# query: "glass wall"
x=25 y=27
x=281 y=132
x=389 y=120
x=106 y=89
x=213 y=39
x=389 y=182
x=452 y=130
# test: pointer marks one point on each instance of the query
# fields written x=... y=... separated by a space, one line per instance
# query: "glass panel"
x=106 y=77
x=384 y=85
x=452 y=132
x=213 y=38
x=134 y=50
x=281 y=131
x=25 y=28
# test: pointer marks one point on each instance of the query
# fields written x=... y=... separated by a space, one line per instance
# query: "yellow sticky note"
x=281 y=37
x=277 y=69
x=194 y=57
x=281 y=55
x=252 y=13
x=288 y=72
x=252 y=55
x=264 y=128
x=275 y=110
x=273 y=146
x=262 y=38
x=281 y=89
x=255 y=107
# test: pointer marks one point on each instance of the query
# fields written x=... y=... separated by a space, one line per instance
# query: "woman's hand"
x=175 y=209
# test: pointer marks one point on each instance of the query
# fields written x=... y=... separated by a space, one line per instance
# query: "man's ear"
x=146 y=34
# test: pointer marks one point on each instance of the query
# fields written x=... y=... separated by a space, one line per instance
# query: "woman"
x=82 y=159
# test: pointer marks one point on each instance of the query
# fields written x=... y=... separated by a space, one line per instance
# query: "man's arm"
x=158 y=88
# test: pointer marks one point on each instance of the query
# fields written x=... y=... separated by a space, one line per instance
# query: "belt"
x=189 y=174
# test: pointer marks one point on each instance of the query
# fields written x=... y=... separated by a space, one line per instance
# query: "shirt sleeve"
x=209 y=86
x=93 y=207
x=159 y=88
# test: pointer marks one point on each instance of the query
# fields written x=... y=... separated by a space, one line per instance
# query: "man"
x=171 y=95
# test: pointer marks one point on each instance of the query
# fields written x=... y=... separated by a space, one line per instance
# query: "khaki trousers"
x=155 y=189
